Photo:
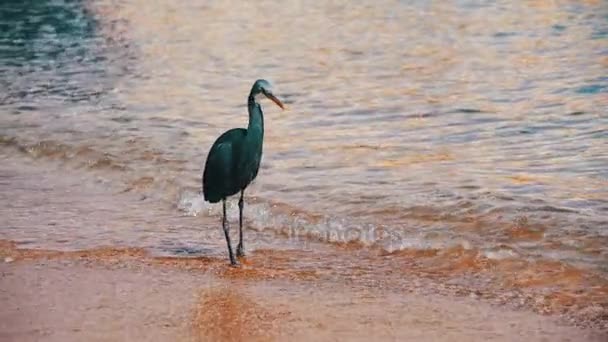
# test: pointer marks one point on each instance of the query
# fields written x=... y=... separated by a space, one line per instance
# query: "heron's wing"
x=218 y=178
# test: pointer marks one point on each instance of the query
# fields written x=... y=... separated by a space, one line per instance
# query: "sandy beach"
x=124 y=295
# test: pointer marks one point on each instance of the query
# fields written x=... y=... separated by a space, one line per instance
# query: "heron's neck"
x=256 y=118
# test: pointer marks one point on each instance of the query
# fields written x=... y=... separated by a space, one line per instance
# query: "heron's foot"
x=240 y=251
x=234 y=263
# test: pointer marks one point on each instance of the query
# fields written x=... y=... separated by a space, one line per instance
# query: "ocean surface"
x=470 y=138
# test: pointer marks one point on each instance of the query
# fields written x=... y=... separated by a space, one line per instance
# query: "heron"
x=234 y=159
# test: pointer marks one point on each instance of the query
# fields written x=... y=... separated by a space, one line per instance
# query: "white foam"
x=193 y=204
x=500 y=254
x=261 y=217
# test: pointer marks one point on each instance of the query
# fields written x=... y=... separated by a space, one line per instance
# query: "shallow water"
x=454 y=128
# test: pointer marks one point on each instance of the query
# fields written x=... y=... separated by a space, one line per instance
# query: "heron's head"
x=264 y=88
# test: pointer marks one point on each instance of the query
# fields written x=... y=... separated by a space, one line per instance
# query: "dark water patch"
x=467 y=111
x=503 y=197
x=115 y=107
x=51 y=50
x=122 y=119
x=549 y=208
x=183 y=251
x=539 y=128
x=504 y=34
x=469 y=187
x=592 y=89
x=425 y=115
x=599 y=34
x=601 y=133
x=27 y=108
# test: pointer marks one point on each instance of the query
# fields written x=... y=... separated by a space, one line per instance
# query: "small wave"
x=489 y=237
x=82 y=155
x=290 y=223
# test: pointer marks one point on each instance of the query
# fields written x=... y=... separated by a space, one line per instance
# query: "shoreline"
x=125 y=294
x=55 y=229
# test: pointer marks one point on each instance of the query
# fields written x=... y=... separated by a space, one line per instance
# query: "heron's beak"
x=275 y=100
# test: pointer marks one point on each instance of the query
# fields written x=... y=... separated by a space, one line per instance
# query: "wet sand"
x=125 y=295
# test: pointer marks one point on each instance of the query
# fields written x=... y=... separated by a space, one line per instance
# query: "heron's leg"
x=227 y=234
x=240 y=252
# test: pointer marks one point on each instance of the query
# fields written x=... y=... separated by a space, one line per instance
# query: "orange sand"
x=110 y=294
